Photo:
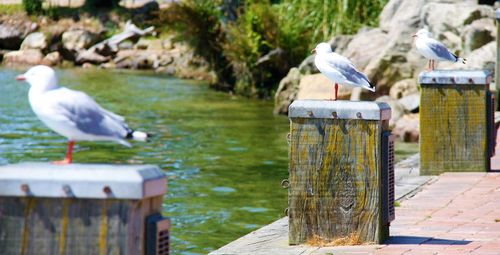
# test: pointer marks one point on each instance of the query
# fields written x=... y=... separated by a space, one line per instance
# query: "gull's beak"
x=313 y=51
x=21 y=77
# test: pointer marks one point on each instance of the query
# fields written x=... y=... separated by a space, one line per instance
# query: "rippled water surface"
x=224 y=156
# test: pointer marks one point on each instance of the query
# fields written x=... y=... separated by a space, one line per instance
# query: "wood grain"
x=66 y=226
x=453 y=129
x=335 y=179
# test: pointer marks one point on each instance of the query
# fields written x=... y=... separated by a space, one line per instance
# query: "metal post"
x=80 y=209
x=456 y=121
x=340 y=177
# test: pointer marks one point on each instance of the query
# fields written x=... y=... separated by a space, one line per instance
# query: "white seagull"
x=72 y=113
x=339 y=69
x=433 y=50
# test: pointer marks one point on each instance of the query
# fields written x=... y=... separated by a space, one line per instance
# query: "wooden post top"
x=340 y=109
x=455 y=77
x=95 y=181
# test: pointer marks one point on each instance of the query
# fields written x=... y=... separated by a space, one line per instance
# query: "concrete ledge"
x=327 y=109
x=82 y=181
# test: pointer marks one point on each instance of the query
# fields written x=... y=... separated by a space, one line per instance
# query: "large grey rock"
x=287 y=91
x=441 y=17
x=407 y=128
x=52 y=59
x=78 y=39
x=13 y=32
x=410 y=103
x=365 y=46
x=35 y=41
x=478 y=33
x=23 y=57
x=397 y=109
x=317 y=86
x=404 y=88
x=482 y=58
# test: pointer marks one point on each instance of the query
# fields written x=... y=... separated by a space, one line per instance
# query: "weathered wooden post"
x=497 y=63
x=82 y=209
x=341 y=182
x=456 y=121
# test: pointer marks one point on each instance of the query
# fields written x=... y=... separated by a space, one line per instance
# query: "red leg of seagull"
x=429 y=65
x=336 y=91
x=433 y=64
x=69 y=155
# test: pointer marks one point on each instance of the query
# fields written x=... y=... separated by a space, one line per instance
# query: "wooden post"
x=456 y=121
x=77 y=209
x=338 y=185
x=497 y=63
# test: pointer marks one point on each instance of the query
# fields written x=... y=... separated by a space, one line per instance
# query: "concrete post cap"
x=340 y=109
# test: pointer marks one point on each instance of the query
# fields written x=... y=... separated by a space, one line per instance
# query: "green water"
x=224 y=156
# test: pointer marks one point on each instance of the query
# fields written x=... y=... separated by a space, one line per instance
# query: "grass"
x=9 y=9
x=397 y=204
x=352 y=239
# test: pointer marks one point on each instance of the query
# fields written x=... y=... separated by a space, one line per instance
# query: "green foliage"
x=33 y=7
x=241 y=47
x=9 y=9
x=198 y=23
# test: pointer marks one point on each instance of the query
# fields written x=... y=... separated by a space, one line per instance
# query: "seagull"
x=73 y=114
x=339 y=69
x=434 y=50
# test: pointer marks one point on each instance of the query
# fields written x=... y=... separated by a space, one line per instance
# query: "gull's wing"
x=347 y=69
x=86 y=115
x=440 y=50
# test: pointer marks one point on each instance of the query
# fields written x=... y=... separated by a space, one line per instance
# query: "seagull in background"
x=434 y=50
x=72 y=113
x=339 y=69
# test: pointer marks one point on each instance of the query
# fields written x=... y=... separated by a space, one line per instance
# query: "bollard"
x=457 y=131
x=82 y=209
x=341 y=175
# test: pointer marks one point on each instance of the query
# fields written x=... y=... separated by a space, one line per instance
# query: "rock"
x=275 y=62
x=35 y=41
x=125 y=45
x=108 y=65
x=410 y=103
x=13 y=32
x=317 y=86
x=407 y=128
x=287 y=91
x=23 y=57
x=365 y=46
x=403 y=88
x=307 y=66
x=90 y=57
x=397 y=109
x=52 y=59
x=148 y=44
x=453 y=17
x=482 y=58
x=88 y=65
x=478 y=33
x=78 y=39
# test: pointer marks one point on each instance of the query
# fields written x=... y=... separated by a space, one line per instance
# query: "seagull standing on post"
x=339 y=69
x=72 y=113
x=434 y=50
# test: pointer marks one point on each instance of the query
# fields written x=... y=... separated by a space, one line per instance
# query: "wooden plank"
x=453 y=129
x=335 y=179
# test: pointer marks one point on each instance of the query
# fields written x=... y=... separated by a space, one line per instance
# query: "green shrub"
x=199 y=24
x=33 y=7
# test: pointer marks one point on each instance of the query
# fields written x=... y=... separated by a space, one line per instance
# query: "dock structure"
x=341 y=182
x=82 y=209
x=457 y=126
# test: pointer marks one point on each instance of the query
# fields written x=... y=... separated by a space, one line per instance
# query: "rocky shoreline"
x=86 y=43
x=387 y=55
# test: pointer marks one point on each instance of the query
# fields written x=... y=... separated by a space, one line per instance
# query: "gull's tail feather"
x=138 y=136
x=372 y=87
x=463 y=60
